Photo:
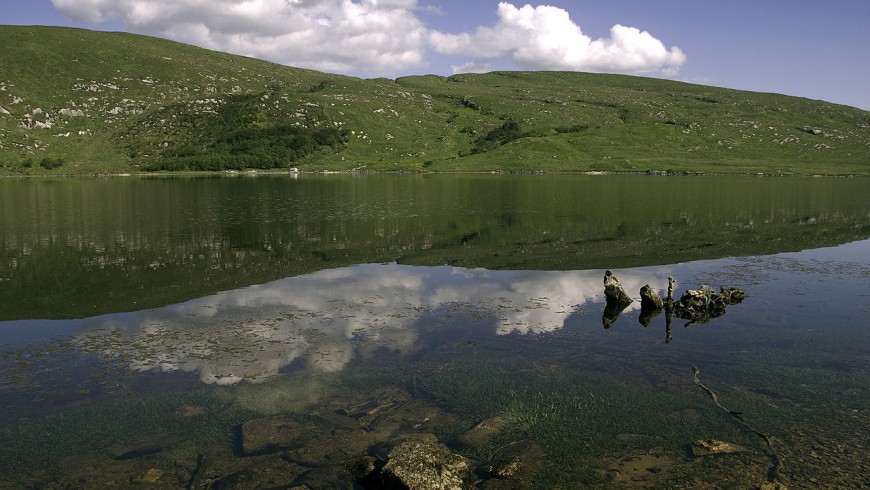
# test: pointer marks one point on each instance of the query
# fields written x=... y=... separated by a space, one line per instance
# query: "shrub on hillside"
x=51 y=163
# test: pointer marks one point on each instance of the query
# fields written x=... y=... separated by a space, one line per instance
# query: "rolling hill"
x=75 y=101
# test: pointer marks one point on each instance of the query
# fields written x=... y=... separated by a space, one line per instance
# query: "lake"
x=266 y=331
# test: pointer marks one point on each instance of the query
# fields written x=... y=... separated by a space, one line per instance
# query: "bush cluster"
x=507 y=132
x=234 y=139
x=47 y=163
x=264 y=148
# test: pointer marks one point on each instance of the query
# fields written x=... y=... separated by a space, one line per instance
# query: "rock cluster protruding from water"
x=696 y=305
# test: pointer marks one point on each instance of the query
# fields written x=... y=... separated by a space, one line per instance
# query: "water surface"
x=147 y=320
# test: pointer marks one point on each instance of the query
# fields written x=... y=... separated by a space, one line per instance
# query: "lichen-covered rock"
x=419 y=465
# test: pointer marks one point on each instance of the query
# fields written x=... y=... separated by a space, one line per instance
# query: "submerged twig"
x=196 y=474
x=773 y=476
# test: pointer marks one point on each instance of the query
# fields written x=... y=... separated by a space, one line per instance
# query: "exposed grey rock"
x=418 y=465
x=617 y=299
x=613 y=291
x=270 y=434
x=702 y=305
x=650 y=299
x=72 y=112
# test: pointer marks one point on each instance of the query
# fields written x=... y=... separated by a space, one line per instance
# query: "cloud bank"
x=382 y=37
x=545 y=38
x=370 y=36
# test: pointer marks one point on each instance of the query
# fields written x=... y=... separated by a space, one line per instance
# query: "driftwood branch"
x=773 y=475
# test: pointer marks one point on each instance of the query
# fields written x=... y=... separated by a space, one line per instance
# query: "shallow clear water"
x=364 y=354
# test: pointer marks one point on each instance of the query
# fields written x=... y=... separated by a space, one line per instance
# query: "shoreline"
x=297 y=172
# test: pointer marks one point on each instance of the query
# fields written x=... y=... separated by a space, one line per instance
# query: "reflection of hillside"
x=86 y=247
x=324 y=320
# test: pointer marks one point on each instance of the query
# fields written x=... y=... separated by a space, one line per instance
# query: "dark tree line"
x=236 y=138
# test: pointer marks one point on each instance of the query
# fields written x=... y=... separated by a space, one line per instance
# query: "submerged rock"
x=709 y=447
x=483 y=431
x=333 y=476
x=267 y=471
x=419 y=465
x=150 y=477
x=143 y=446
x=363 y=468
x=271 y=434
x=514 y=466
x=505 y=469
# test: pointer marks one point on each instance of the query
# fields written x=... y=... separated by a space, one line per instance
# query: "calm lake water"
x=265 y=331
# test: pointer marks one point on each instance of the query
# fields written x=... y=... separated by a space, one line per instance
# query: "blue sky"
x=811 y=49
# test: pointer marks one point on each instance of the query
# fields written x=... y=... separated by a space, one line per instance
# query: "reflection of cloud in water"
x=322 y=320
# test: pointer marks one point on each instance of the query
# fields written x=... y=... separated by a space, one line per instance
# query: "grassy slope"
x=141 y=97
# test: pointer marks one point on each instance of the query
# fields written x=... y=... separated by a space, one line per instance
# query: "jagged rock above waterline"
x=701 y=305
x=650 y=299
x=613 y=290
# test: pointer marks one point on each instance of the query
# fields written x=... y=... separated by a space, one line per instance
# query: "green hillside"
x=75 y=101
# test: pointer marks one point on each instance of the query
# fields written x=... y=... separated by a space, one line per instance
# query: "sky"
x=807 y=48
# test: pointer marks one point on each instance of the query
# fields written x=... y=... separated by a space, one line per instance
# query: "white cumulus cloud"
x=545 y=38
x=369 y=36
x=382 y=37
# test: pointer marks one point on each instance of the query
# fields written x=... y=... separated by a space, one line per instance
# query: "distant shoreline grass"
x=242 y=173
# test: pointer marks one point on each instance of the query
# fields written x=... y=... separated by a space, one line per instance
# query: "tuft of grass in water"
x=37 y=444
x=575 y=416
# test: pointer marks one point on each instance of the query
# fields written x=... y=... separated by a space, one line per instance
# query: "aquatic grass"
x=37 y=444
x=575 y=416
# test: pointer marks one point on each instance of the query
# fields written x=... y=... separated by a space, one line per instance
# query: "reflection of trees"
x=85 y=247
x=322 y=321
